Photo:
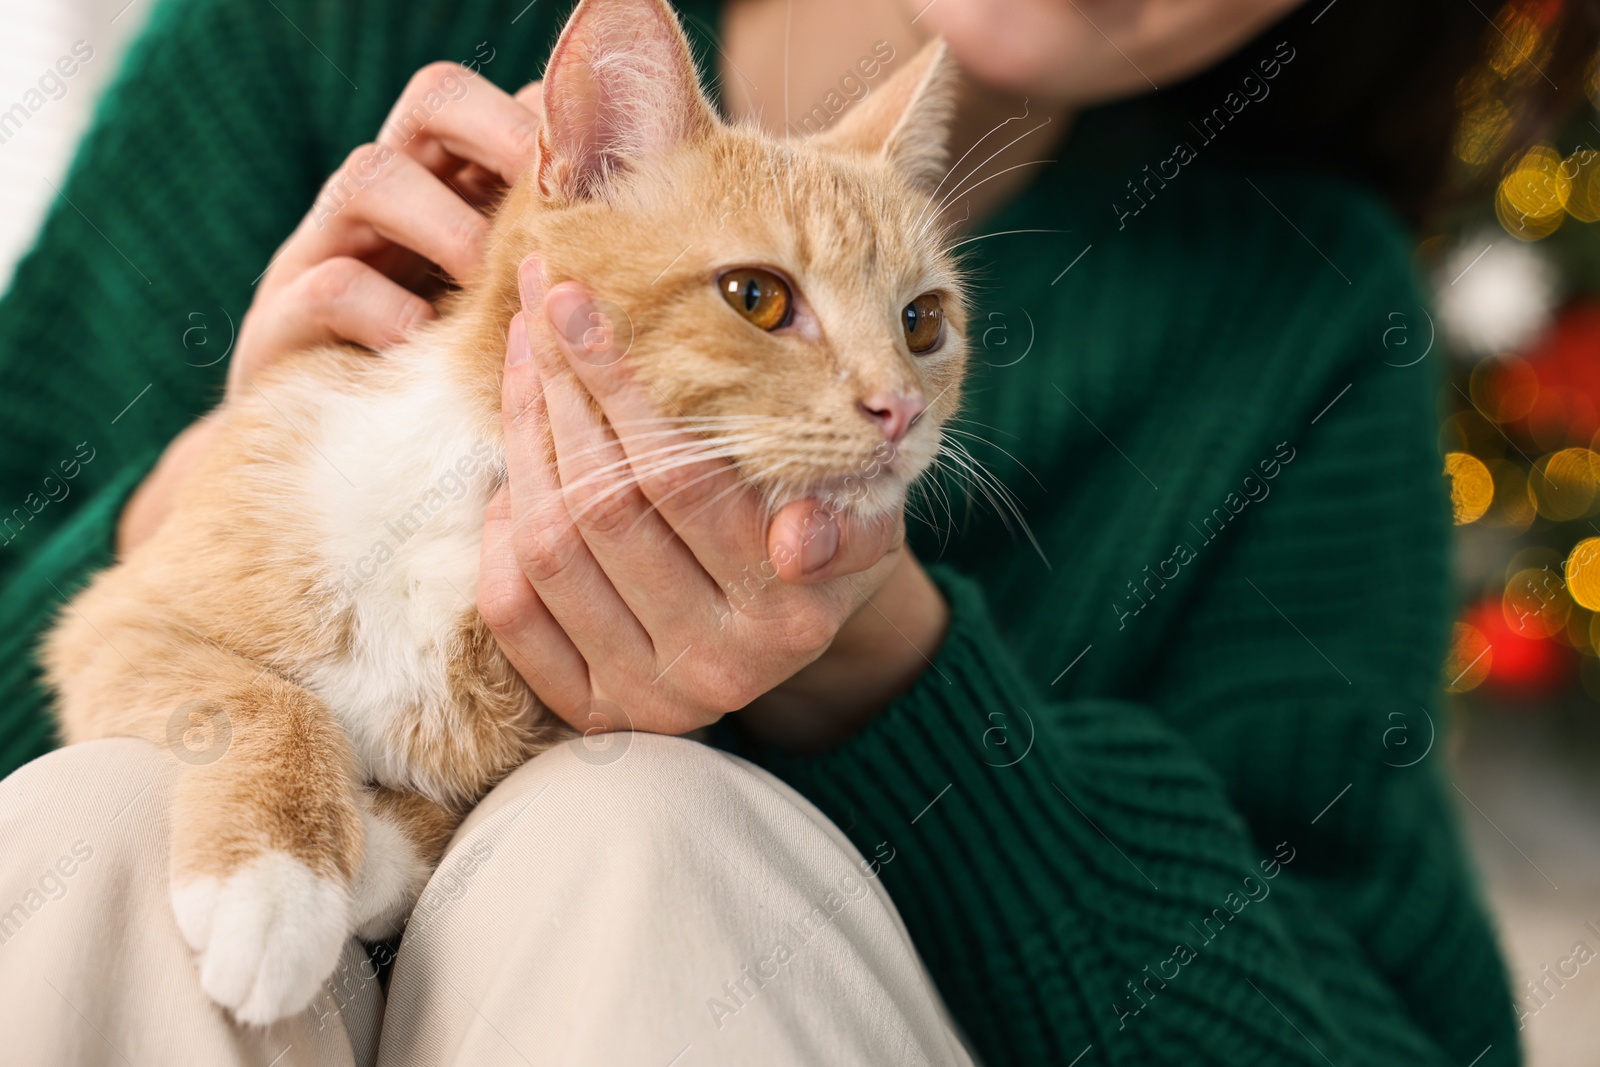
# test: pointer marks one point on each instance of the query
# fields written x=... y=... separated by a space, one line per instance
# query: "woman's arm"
x=1309 y=672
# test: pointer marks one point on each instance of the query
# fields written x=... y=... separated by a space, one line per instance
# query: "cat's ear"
x=905 y=120
x=620 y=88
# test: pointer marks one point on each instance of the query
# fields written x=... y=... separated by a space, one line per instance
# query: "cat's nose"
x=893 y=412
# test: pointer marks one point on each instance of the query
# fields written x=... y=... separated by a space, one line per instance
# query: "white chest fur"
x=398 y=486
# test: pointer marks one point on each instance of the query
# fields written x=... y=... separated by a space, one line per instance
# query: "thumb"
x=809 y=542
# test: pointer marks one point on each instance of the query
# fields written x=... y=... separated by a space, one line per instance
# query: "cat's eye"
x=759 y=295
x=924 y=322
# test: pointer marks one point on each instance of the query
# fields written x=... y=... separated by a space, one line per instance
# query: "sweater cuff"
x=38 y=586
x=971 y=702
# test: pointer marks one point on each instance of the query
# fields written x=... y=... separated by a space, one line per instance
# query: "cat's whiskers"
x=983 y=425
x=613 y=466
x=990 y=178
x=985 y=441
x=657 y=463
x=998 y=233
x=655 y=460
x=974 y=147
x=928 y=217
x=999 y=496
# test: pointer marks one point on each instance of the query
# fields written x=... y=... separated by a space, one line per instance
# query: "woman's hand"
x=364 y=260
x=610 y=591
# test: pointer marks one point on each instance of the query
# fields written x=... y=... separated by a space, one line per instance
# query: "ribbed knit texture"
x=1073 y=789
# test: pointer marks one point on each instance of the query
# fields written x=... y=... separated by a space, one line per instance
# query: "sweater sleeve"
x=114 y=332
x=1308 y=673
x=1077 y=878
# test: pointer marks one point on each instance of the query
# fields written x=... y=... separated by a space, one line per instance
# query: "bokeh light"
x=1583 y=200
x=1535 y=603
x=1471 y=487
x=1532 y=198
x=1562 y=486
x=1583 y=574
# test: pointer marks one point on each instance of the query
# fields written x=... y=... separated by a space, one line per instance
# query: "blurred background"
x=1516 y=273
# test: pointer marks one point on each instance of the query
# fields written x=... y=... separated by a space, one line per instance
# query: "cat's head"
x=791 y=300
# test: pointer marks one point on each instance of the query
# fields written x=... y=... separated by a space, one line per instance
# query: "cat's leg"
x=405 y=835
x=266 y=845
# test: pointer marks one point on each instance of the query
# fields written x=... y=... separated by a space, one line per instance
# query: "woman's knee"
x=85 y=819
x=111 y=783
x=628 y=786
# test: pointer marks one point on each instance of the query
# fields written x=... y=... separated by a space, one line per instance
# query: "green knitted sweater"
x=1160 y=797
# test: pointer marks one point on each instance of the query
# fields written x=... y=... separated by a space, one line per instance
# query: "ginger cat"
x=311 y=596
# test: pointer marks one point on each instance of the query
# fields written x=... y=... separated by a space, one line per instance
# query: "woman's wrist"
x=877 y=655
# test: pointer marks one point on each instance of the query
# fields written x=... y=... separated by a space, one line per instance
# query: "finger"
x=381 y=197
x=632 y=543
x=549 y=549
x=706 y=502
x=809 y=542
x=527 y=633
x=531 y=96
x=449 y=115
x=339 y=299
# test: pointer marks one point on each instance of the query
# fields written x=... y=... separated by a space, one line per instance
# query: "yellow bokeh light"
x=1482 y=131
x=1536 y=603
x=1517 y=51
x=1583 y=573
x=1471 y=486
x=1562 y=485
x=1532 y=198
x=1583 y=198
x=1468 y=663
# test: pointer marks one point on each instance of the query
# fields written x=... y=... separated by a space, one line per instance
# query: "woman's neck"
x=794 y=69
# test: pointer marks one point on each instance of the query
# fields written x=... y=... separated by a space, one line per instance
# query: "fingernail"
x=818 y=545
x=517 y=350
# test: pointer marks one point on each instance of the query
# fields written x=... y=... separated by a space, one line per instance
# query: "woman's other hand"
x=364 y=261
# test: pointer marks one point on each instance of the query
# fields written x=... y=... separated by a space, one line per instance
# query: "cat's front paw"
x=267 y=936
x=391 y=879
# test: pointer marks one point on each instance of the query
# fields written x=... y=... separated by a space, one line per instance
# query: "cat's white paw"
x=392 y=876
x=267 y=936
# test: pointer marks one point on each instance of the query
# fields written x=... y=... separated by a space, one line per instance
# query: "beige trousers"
x=647 y=902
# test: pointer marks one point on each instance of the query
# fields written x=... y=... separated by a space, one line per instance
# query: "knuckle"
x=723 y=689
x=685 y=486
x=468 y=232
x=504 y=606
x=365 y=162
x=436 y=76
x=543 y=556
x=603 y=510
x=806 y=630
x=331 y=282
